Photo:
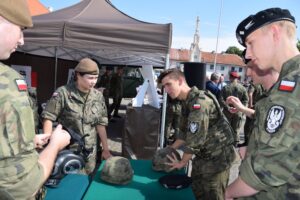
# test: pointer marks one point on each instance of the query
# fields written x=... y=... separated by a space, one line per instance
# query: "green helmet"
x=160 y=159
x=117 y=170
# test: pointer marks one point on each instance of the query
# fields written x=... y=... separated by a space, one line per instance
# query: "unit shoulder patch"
x=275 y=118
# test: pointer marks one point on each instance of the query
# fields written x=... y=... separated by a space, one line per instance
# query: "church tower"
x=195 y=53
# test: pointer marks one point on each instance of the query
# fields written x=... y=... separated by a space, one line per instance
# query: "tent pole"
x=164 y=108
x=55 y=69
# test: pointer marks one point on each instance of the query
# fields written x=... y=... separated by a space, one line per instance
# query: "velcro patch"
x=275 y=118
x=287 y=86
x=21 y=84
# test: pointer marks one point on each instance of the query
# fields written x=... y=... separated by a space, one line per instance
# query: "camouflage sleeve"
x=197 y=126
x=273 y=152
x=54 y=106
x=102 y=120
x=245 y=98
x=222 y=99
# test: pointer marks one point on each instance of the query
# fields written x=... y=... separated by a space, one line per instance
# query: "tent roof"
x=95 y=28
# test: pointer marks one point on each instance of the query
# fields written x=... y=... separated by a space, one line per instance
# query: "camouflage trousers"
x=90 y=164
x=210 y=186
x=235 y=121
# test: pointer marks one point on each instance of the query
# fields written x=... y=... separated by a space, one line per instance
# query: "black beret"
x=260 y=19
x=175 y=181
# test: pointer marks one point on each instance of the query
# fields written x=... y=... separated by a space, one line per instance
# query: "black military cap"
x=260 y=19
x=175 y=181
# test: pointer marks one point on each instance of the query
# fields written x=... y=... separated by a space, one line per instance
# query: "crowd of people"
x=208 y=122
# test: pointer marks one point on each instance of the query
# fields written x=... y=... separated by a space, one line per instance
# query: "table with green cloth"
x=144 y=185
x=71 y=187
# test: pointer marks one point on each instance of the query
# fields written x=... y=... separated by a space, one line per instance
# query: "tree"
x=234 y=50
x=298 y=44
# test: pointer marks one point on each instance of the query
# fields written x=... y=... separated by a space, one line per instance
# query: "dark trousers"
x=115 y=106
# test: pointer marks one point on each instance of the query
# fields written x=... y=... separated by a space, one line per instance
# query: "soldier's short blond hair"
x=174 y=73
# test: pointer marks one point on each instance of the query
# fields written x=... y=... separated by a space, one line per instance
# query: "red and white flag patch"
x=287 y=85
x=21 y=84
x=196 y=106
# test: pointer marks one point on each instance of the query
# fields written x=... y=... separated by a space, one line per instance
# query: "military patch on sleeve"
x=275 y=118
x=193 y=127
x=287 y=86
x=21 y=84
x=54 y=94
x=196 y=106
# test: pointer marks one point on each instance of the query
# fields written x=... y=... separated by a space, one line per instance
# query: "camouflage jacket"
x=18 y=157
x=233 y=89
x=70 y=109
x=208 y=134
x=272 y=164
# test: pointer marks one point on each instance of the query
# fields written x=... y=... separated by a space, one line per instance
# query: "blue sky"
x=183 y=14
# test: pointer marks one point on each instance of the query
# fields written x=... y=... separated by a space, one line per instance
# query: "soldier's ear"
x=180 y=80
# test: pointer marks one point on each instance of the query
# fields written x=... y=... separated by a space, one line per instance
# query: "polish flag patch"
x=21 y=84
x=287 y=85
x=196 y=106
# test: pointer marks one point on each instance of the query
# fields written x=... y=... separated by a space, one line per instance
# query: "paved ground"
x=114 y=134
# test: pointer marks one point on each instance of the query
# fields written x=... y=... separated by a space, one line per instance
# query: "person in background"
x=271 y=168
x=205 y=133
x=238 y=90
x=221 y=83
x=212 y=84
x=116 y=85
x=23 y=170
x=80 y=107
x=103 y=83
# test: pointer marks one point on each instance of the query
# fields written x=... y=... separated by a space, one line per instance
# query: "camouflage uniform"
x=34 y=105
x=172 y=118
x=104 y=81
x=235 y=119
x=80 y=114
x=19 y=165
x=272 y=164
x=257 y=91
x=210 y=137
x=116 y=91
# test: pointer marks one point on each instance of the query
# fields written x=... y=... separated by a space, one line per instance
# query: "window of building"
x=211 y=67
x=240 y=69
x=232 y=69
x=222 y=68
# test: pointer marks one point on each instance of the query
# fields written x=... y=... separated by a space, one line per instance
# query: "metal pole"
x=164 y=107
x=55 y=69
x=220 y=16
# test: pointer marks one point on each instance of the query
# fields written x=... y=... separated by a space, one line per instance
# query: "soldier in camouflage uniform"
x=104 y=83
x=172 y=120
x=22 y=170
x=238 y=90
x=271 y=167
x=116 y=91
x=80 y=107
x=205 y=133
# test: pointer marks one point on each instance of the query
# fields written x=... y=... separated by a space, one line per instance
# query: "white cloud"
x=206 y=44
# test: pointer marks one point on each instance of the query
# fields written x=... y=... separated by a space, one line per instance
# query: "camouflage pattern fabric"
x=160 y=159
x=20 y=174
x=272 y=164
x=117 y=170
x=34 y=105
x=235 y=119
x=104 y=81
x=257 y=91
x=80 y=114
x=208 y=136
x=173 y=115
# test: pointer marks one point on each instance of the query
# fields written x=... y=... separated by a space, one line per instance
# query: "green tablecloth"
x=71 y=187
x=144 y=185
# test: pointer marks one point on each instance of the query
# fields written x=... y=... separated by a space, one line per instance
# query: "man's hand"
x=60 y=138
x=40 y=140
x=175 y=163
x=105 y=154
x=236 y=104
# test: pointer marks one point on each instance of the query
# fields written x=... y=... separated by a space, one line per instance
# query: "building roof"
x=37 y=8
x=183 y=55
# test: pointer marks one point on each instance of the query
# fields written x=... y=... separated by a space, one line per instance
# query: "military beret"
x=88 y=66
x=16 y=12
x=234 y=74
x=175 y=181
x=260 y=19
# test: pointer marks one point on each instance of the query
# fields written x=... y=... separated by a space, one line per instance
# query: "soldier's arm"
x=47 y=126
x=178 y=143
x=239 y=189
x=103 y=137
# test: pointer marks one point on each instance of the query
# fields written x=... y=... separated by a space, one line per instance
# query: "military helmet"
x=117 y=170
x=160 y=159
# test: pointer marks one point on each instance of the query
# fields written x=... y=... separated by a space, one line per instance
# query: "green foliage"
x=298 y=44
x=234 y=50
